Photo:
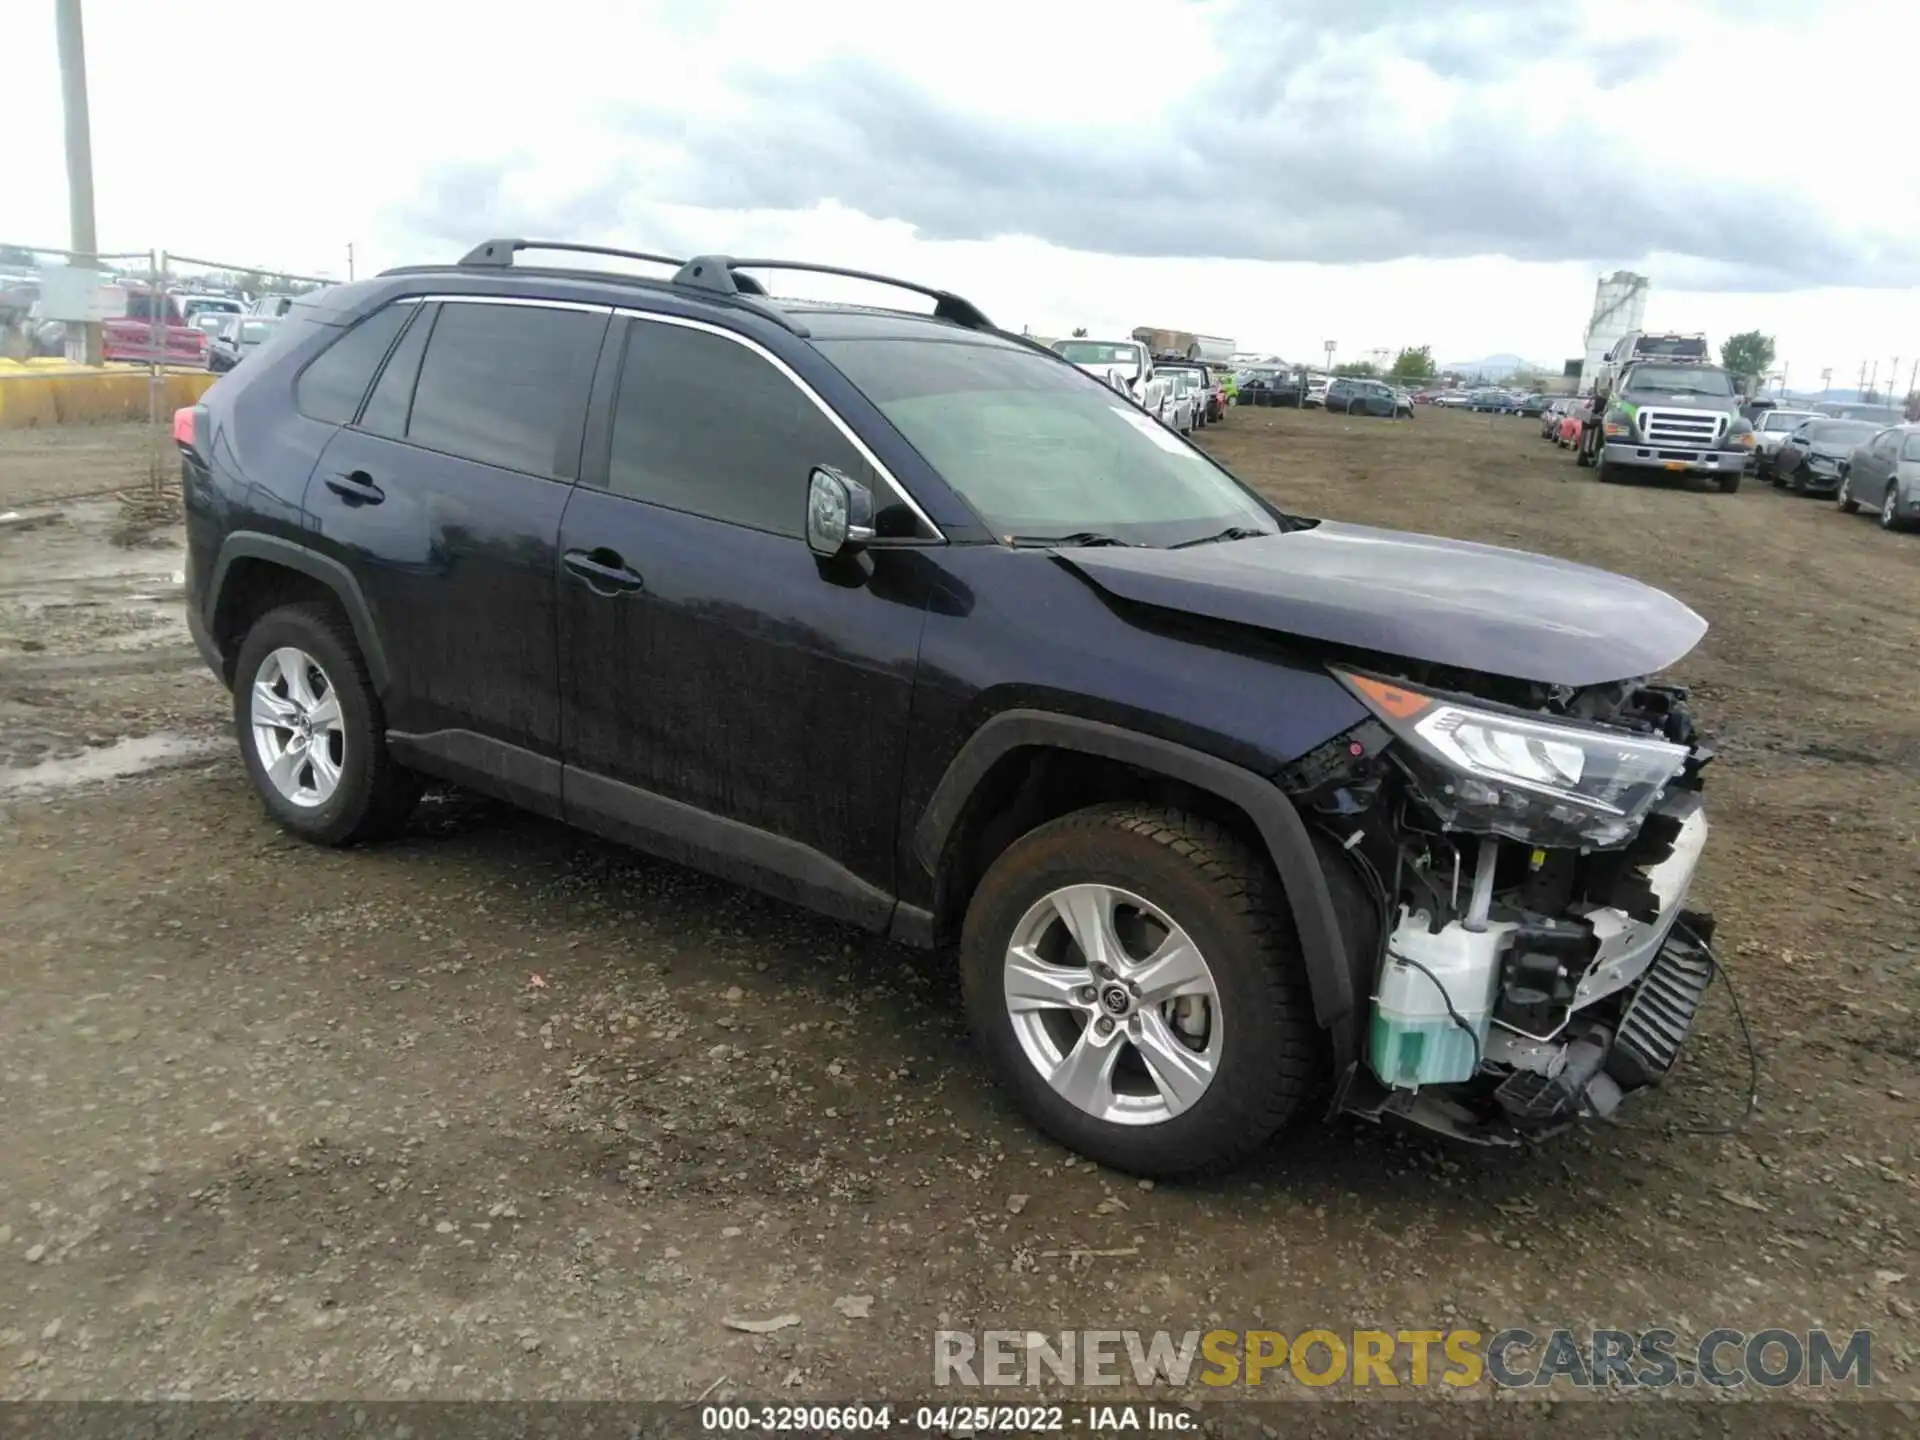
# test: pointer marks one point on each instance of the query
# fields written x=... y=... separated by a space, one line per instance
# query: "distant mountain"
x=1499 y=367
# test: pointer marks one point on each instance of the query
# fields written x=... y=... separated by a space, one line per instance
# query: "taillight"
x=186 y=427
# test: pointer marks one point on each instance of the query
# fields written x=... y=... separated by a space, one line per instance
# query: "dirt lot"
x=504 y=1111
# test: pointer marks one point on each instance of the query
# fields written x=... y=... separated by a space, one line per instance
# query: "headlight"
x=1486 y=770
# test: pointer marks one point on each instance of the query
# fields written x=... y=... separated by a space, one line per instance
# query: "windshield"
x=1041 y=450
x=1876 y=414
x=1681 y=379
x=1098 y=352
x=1784 y=420
x=1851 y=432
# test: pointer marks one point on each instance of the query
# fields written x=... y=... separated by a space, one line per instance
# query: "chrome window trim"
x=653 y=317
x=746 y=342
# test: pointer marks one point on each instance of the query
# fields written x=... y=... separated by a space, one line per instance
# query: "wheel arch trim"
x=1289 y=845
x=255 y=545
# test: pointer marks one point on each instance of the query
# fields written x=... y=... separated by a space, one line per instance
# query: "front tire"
x=1179 y=1035
x=1843 y=500
x=1890 y=508
x=311 y=730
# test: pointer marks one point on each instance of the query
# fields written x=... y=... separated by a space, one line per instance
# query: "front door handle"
x=603 y=571
x=356 y=487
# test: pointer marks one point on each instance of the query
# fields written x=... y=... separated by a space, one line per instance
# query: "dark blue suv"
x=1231 y=812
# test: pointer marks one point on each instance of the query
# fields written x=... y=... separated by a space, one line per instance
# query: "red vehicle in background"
x=1567 y=433
x=152 y=331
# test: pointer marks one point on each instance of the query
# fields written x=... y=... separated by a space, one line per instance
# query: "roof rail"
x=499 y=254
x=719 y=274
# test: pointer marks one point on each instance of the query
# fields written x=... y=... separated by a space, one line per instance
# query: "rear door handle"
x=356 y=487
x=603 y=571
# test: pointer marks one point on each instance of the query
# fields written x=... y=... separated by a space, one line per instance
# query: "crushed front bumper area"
x=1591 y=1003
x=1582 y=1075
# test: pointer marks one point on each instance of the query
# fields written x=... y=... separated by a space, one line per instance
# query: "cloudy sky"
x=1373 y=172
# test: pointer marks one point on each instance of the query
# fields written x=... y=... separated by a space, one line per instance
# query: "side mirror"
x=839 y=513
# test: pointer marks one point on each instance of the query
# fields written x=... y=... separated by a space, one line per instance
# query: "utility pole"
x=1860 y=392
x=1327 y=345
x=349 y=260
x=1826 y=380
x=73 y=99
x=1873 y=383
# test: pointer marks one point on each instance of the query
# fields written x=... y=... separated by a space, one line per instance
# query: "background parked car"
x=1453 y=399
x=1491 y=401
x=1884 y=475
x=1535 y=403
x=1185 y=400
x=1851 y=410
x=1812 y=458
x=1770 y=432
x=1210 y=403
x=1315 y=394
x=192 y=307
x=1351 y=396
x=1571 y=422
x=236 y=338
x=1271 y=385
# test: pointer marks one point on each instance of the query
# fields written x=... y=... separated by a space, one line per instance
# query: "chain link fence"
x=158 y=311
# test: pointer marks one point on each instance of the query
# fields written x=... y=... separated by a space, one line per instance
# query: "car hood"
x=1447 y=602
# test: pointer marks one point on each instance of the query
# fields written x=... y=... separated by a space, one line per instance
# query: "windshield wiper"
x=1232 y=532
x=1082 y=538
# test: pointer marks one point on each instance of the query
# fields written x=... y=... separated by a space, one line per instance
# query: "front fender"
x=1322 y=944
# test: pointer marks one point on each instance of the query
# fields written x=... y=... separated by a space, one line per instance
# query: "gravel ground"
x=500 y=1110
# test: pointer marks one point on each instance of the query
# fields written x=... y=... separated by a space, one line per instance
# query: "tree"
x=1079 y=332
x=1749 y=354
x=1357 y=369
x=1414 y=362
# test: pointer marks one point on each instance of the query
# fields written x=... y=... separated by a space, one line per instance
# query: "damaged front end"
x=1530 y=857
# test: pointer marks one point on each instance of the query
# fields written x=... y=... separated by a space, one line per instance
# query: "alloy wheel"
x=298 y=732
x=1113 y=1004
x=1890 y=508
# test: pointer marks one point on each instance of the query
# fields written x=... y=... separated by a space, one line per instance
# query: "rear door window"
x=392 y=398
x=502 y=384
x=332 y=386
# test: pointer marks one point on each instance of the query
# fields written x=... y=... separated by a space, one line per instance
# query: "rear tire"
x=1843 y=500
x=1264 y=1054
x=1729 y=483
x=1890 y=507
x=311 y=730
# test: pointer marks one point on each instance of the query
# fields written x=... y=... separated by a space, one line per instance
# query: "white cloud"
x=274 y=135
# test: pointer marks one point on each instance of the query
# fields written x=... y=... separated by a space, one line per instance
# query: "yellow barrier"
x=34 y=392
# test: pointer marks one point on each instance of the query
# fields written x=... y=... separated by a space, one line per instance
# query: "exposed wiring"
x=1446 y=1000
x=1753 y=1055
